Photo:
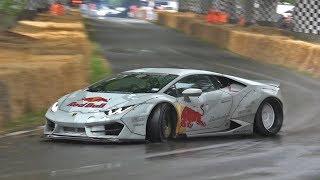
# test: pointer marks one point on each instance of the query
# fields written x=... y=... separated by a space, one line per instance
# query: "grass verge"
x=29 y=120
x=99 y=68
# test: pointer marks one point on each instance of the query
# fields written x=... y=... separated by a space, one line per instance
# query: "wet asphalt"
x=130 y=44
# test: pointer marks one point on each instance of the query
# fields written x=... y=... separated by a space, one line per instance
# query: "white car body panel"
x=214 y=112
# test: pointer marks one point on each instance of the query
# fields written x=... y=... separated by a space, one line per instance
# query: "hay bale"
x=71 y=26
x=185 y=23
x=264 y=44
x=312 y=63
x=172 y=20
x=40 y=62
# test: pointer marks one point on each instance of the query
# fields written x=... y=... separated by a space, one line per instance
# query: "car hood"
x=88 y=102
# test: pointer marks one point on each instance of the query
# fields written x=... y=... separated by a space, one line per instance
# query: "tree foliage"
x=11 y=7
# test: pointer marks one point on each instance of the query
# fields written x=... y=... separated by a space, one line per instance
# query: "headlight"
x=55 y=107
x=118 y=110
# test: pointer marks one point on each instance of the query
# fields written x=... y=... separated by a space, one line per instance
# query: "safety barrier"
x=255 y=43
x=41 y=60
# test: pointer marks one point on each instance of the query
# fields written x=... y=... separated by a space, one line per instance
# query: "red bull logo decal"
x=190 y=116
x=95 y=99
x=91 y=102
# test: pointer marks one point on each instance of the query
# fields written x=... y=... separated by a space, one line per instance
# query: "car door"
x=192 y=107
x=203 y=113
x=219 y=106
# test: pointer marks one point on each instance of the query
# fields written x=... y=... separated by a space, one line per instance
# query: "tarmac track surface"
x=130 y=44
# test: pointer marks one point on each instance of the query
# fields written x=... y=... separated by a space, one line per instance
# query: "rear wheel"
x=160 y=126
x=269 y=118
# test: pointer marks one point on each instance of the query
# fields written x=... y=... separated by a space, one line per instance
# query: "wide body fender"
x=247 y=107
x=137 y=118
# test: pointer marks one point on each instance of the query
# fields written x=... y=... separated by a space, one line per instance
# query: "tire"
x=269 y=118
x=160 y=126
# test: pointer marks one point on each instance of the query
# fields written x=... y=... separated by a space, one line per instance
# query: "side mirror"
x=192 y=92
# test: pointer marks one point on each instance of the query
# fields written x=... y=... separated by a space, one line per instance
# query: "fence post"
x=266 y=13
x=249 y=11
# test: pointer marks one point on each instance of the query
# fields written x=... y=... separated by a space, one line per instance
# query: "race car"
x=157 y=104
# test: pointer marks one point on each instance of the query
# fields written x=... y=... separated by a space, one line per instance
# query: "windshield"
x=133 y=83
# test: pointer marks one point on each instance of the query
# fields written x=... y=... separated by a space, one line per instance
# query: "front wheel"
x=160 y=126
x=269 y=118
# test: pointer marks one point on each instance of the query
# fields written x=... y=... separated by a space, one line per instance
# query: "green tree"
x=11 y=7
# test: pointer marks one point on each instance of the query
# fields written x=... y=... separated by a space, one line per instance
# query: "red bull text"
x=90 y=102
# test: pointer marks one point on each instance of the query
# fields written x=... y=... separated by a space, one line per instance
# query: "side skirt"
x=237 y=127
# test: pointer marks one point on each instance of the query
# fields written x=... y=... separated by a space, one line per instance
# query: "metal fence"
x=305 y=17
x=257 y=10
x=13 y=10
x=37 y=4
x=197 y=6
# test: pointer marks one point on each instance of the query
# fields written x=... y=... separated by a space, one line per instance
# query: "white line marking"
x=21 y=132
x=181 y=151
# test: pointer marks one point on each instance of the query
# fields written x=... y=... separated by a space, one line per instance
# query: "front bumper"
x=89 y=134
x=90 y=139
x=64 y=125
x=78 y=138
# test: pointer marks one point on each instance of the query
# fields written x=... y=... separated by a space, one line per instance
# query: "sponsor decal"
x=91 y=102
x=95 y=99
x=190 y=116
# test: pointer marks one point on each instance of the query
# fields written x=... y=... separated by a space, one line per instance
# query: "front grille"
x=50 y=125
x=113 y=129
x=73 y=130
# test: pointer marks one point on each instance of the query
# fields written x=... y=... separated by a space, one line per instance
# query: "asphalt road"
x=129 y=44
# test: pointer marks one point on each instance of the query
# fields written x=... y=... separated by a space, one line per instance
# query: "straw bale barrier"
x=40 y=61
x=265 y=44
